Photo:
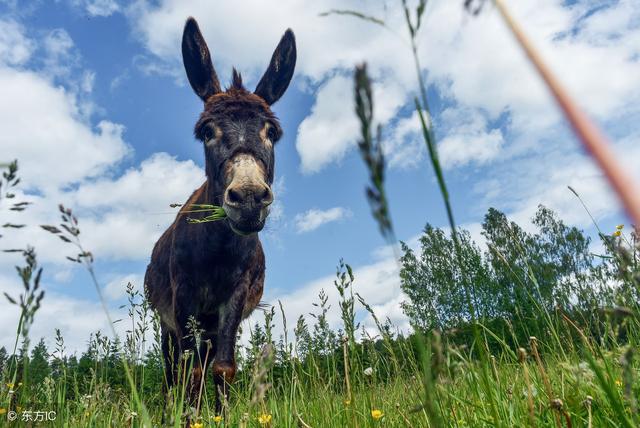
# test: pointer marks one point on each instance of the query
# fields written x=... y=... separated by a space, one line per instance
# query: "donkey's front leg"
x=224 y=362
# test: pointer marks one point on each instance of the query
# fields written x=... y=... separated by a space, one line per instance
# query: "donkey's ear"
x=277 y=77
x=197 y=61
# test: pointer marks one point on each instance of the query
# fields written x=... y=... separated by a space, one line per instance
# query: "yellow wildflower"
x=376 y=414
x=217 y=419
x=3 y=410
x=197 y=425
x=617 y=233
x=10 y=385
x=347 y=402
x=264 y=419
x=620 y=226
x=618 y=383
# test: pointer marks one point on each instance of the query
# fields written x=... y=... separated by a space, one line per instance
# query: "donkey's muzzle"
x=247 y=207
x=248 y=196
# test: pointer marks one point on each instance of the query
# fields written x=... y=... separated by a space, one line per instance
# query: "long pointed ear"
x=277 y=77
x=197 y=61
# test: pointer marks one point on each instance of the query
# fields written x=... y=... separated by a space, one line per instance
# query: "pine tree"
x=303 y=345
x=3 y=361
x=39 y=367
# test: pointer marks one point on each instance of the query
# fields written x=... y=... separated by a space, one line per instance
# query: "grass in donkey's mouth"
x=216 y=212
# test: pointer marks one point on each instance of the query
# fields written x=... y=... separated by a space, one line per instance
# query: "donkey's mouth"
x=246 y=221
x=244 y=228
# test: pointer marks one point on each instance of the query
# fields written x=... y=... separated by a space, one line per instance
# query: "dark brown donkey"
x=214 y=272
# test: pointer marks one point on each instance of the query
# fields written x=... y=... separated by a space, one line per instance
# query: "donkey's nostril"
x=264 y=196
x=234 y=196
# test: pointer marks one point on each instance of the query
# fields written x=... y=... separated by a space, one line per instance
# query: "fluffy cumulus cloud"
x=325 y=44
x=326 y=133
x=403 y=144
x=76 y=318
x=130 y=212
x=596 y=66
x=46 y=122
x=331 y=129
x=58 y=137
x=468 y=139
x=314 y=218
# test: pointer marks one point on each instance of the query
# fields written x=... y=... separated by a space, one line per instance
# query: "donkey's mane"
x=236 y=82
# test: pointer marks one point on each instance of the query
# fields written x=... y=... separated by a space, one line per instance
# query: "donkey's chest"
x=214 y=283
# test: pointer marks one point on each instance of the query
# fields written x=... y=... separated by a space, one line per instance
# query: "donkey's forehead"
x=237 y=102
x=234 y=105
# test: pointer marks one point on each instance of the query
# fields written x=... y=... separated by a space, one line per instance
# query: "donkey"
x=214 y=272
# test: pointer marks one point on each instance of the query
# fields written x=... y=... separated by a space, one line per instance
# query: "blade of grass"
x=588 y=133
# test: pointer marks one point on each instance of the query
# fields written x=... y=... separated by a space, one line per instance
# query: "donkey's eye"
x=272 y=134
x=207 y=133
x=211 y=133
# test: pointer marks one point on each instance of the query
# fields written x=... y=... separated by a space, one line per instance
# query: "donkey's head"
x=238 y=129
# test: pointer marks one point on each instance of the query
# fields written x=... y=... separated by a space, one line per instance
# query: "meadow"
x=533 y=330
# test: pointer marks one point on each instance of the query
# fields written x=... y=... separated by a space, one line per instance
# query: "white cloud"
x=119 y=80
x=468 y=139
x=546 y=179
x=157 y=182
x=101 y=8
x=151 y=67
x=120 y=218
x=124 y=217
x=42 y=127
x=116 y=289
x=15 y=47
x=332 y=129
x=480 y=64
x=314 y=218
x=59 y=49
x=403 y=145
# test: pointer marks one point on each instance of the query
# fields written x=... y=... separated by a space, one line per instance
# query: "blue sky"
x=98 y=111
